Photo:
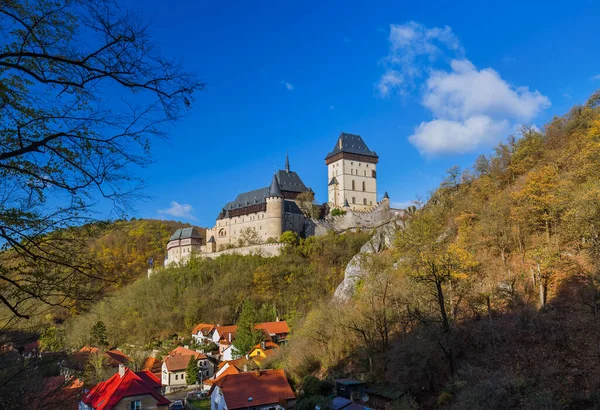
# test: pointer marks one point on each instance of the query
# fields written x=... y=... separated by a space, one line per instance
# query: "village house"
x=126 y=390
x=202 y=333
x=254 y=390
x=277 y=331
x=174 y=368
x=262 y=351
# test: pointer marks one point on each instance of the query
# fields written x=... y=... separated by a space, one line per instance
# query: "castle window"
x=364 y=201
x=370 y=202
x=353 y=186
x=353 y=200
x=364 y=187
x=365 y=172
x=373 y=173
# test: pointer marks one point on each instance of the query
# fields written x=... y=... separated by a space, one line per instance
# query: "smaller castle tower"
x=274 y=213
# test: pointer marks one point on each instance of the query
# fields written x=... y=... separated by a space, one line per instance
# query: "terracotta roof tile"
x=177 y=362
x=274 y=328
x=186 y=351
x=265 y=387
x=205 y=328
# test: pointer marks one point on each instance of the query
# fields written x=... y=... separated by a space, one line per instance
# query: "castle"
x=262 y=215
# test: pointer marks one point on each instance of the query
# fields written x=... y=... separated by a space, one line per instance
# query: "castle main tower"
x=352 y=174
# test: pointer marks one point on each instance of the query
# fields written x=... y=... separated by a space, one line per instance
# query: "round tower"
x=274 y=213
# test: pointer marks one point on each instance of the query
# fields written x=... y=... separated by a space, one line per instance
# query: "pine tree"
x=98 y=334
x=191 y=372
x=246 y=336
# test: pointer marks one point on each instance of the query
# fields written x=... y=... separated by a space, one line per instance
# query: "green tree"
x=98 y=335
x=246 y=335
x=289 y=237
x=51 y=340
x=191 y=372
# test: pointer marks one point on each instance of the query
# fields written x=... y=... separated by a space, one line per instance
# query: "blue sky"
x=427 y=85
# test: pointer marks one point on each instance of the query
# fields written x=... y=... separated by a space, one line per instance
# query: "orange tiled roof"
x=274 y=328
x=226 y=331
x=265 y=387
x=205 y=328
x=185 y=351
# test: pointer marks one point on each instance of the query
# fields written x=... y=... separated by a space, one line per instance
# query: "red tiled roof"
x=265 y=387
x=205 y=328
x=274 y=328
x=150 y=378
x=107 y=394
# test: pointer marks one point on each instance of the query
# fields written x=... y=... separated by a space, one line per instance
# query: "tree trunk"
x=541 y=286
x=442 y=305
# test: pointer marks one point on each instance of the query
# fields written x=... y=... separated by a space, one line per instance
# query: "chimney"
x=245 y=368
x=277 y=319
x=263 y=345
x=229 y=337
x=122 y=370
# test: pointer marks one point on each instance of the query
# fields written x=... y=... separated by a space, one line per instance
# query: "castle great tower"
x=352 y=174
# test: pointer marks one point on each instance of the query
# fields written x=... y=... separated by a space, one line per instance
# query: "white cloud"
x=391 y=80
x=287 y=85
x=471 y=107
x=596 y=77
x=412 y=48
x=179 y=211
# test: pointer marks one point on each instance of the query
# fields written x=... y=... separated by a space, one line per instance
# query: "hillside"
x=489 y=297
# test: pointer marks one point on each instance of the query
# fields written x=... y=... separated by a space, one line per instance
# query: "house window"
x=176 y=376
x=136 y=405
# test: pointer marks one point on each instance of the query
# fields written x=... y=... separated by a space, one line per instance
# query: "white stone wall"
x=356 y=184
x=265 y=249
x=372 y=218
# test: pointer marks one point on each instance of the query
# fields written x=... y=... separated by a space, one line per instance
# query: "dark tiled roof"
x=291 y=207
x=290 y=181
x=386 y=196
x=352 y=144
x=212 y=239
x=185 y=233
x=286 y=181
x=274 y=190
x=333 y=181
x=258 y=196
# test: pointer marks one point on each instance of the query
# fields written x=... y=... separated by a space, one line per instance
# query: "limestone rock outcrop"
x=382 y=239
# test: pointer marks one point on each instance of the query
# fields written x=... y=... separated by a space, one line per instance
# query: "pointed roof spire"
x=274 y=190
x=386 y=196
x=287 y=163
